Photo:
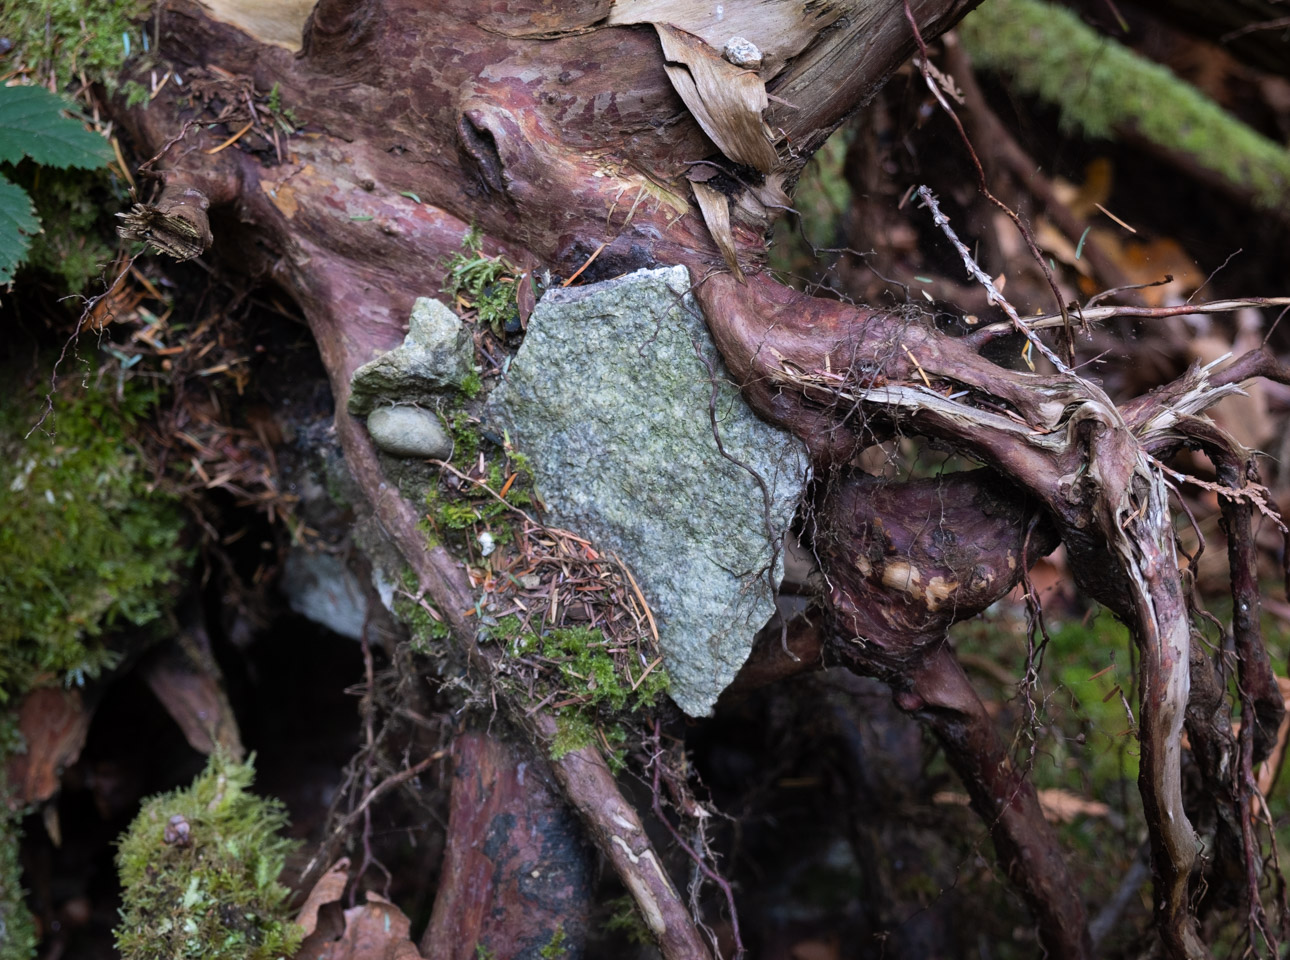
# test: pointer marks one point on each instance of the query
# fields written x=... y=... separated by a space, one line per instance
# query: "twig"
x=699 y=860
x=1048 y=321
x=942 y=221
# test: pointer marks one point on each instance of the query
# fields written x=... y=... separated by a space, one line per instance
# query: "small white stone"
x=486 y=543
x=742 y=53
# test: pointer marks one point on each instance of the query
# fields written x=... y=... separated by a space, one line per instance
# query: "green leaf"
x=17 y=225
x=32 y=125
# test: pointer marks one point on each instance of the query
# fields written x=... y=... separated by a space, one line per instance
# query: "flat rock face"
x=609 y=400
x=435 y=356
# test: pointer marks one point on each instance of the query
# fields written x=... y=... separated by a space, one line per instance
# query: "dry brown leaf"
x=54 y=724
x=780 y=30
x=1062 y=806
x=726 y=101
x=716 y=214
x=1058 y=806
x=328 y=889
x=377 y=930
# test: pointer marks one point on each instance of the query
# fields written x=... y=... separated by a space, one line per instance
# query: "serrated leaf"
x=17 y=224
x=32 y=125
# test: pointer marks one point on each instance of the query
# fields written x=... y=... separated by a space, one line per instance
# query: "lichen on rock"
x=609 y=399
x=435 y=357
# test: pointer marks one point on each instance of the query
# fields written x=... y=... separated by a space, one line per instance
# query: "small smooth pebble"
x=742 y=53
x=409 y=432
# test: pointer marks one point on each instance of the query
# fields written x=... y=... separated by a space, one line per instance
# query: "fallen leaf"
x=377 y=930
x=329 y=888
x=53 y=723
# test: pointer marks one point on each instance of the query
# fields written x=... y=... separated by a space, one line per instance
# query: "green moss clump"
x=471 y=384
x=65 y=39
x=585 y=671
x=426 y=633
x=200 y=868
x=573 y=731
x=586 y=667
x=86 y=543
x=821 y=199
x=556 y=949
x=625 y=918
x=487 y=284
x=1091 y=705
x=17 y=928
x=1102 y=88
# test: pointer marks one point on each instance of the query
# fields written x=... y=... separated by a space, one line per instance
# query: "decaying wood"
x=514 y=872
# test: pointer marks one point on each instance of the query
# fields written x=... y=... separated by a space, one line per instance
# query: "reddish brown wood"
x=514 y=868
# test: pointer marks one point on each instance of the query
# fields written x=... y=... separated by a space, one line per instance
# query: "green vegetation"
x=486 y=284
x=1104 y=89
x=591 y=692
x=426 y=633
x=67 y=40
x=17 y=928
x=625 y=918
x=34 y=137
x=200 y=869
x=822 y=199
x=555 y=949
x=58 y=43
x=1090 y=662
x=471 y=385
x=86 y=543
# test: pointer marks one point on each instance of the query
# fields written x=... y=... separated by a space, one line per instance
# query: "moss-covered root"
x=1104 y=89
x=87 y=545
x=199 y=870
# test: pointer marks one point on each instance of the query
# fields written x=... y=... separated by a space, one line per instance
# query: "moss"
x=1101 y=744
x=625 y=919
x=573 y=731
x=67 y=39
x=486 y=284
x=426 y=633
x=86 y=543
x=471 y=385
x=585 y=672
x=1102 y=88
x=17 y=928
x=555 y=948
x=465 y=437
x=822 y=199
x=199 y=869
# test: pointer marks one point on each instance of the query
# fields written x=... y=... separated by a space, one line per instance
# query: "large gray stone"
x=609 y=400
x=435 y=356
